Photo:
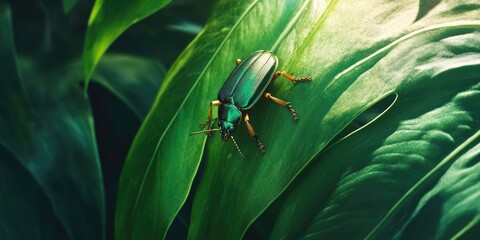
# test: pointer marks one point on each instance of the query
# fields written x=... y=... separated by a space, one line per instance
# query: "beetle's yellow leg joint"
x=283 y=104
x=212 y=103
x=239 y=61
x=249 y=126
x=291 y=77
x=209 y=121
x=253 y=134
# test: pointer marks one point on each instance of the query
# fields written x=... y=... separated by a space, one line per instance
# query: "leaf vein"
x=443 y=164
x=249 y=8
x=408 y=36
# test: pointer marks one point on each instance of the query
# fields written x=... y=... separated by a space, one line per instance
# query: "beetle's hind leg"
x=282 y=103
x=253 y=134
x=291 y=77
x=209 y=120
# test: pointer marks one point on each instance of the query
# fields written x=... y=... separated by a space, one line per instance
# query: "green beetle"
x=243 y=88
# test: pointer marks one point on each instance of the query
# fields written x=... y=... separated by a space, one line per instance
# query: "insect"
x=243 y=88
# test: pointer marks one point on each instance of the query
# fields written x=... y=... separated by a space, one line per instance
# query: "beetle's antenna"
x=234 y=142
x=206 y=130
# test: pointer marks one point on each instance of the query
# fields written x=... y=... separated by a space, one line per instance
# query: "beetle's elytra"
x=243 y=88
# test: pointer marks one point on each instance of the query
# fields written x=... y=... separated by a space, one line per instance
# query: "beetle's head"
x=226 y=128
x=228 y=119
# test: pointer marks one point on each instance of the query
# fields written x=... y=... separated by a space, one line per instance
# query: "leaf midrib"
x=464 y=23
x=466 y=228
x=283 y=35
x=244 y=14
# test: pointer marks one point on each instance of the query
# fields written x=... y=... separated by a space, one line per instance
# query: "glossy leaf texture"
x=378 y=181
x=48 y=130
x=410 y=174
x=108 y=20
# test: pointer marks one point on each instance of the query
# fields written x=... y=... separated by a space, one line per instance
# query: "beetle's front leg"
x=209 y=120
x=282 y=103
x=291 y=77
x=253 y=134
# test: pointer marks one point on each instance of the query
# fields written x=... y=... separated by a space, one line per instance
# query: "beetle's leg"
x=253 y=134
x=209 y=121
x=291 y=77
x=282 y=103
x=239 y=61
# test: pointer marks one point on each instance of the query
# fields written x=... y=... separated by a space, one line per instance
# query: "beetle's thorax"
x=229 y=117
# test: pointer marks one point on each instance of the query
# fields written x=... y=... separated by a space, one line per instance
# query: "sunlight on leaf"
x=357 y=53
x=186 y=27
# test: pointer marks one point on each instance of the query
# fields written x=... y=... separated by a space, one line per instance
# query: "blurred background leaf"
x=53 y=140
x=26 y=212
x=46 y=121
x=132 y=79
x=68 y=5
x=374 y=182
x=109 y=19
x=25 y=204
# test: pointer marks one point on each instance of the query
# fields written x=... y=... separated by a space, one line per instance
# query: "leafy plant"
x=47 y=134
x=398 y=177
x=387 y=145
x=107 y=21
x=52 y=182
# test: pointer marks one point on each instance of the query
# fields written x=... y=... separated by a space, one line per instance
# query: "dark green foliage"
x=52 y=184
x=387 y=145
x=47 y=127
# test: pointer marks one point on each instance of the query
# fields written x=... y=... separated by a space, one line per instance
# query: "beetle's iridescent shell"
x=249 y=80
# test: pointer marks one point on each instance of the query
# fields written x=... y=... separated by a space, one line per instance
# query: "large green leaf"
x=175 y=177
x=47 y=128
x=376 y=178
x=108 y=20
x=132 y=79
x=357 y=54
